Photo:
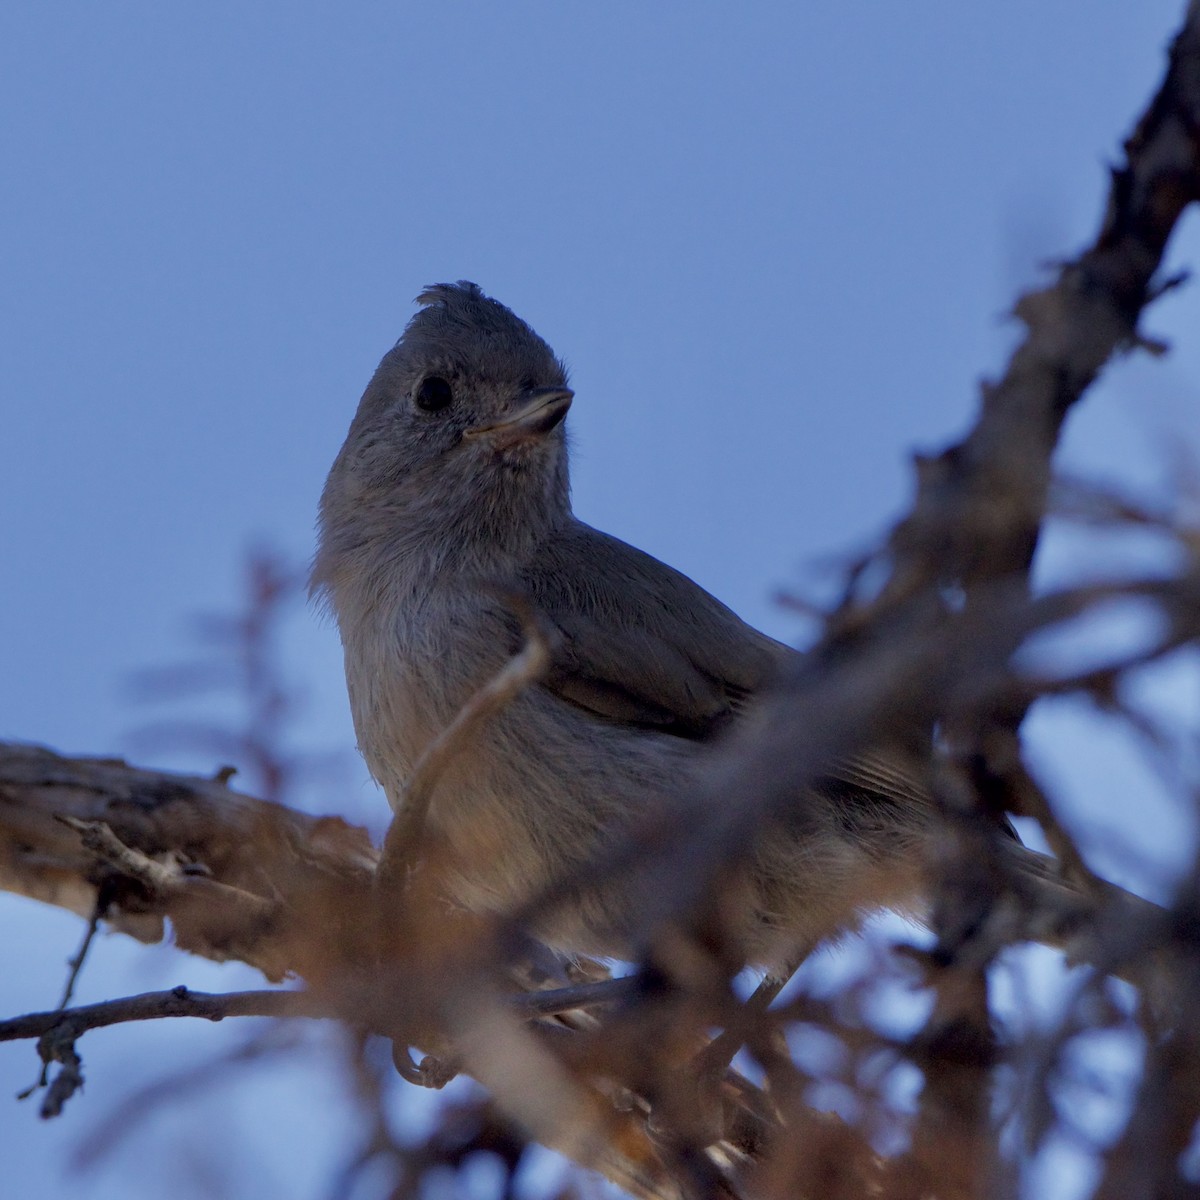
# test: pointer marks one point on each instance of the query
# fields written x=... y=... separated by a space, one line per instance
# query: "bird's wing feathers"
x=641 y=643
x=883 y=774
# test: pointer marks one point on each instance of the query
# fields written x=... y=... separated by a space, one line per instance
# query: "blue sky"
x=776 y=245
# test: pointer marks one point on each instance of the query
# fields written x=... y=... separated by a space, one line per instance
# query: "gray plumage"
x=451 y=487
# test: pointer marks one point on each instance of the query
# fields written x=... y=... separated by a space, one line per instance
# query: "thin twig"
x=76 y=963
x=406 y=834
x=270 y=1002
x=553 y=1001
x=176 y=1002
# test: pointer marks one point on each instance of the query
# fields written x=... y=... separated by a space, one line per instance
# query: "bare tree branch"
x=151 y=1006
x=901 y=657
x=165 y=846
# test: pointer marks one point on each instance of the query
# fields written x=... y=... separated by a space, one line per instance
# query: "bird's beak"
x=540 y=410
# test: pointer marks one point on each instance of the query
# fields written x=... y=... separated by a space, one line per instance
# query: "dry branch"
x=153 y=845
x=152 y=1006
x=902 y=657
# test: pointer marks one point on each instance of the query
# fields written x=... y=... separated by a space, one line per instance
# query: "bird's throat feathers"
x=475 y=518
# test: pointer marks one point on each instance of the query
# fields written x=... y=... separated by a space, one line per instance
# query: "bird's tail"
x=1091 y=920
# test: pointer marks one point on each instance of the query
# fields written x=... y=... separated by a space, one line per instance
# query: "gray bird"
x=452 y=489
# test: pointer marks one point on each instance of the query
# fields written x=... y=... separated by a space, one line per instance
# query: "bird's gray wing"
x=641 y=643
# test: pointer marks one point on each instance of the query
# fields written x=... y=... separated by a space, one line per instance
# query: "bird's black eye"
x=433 y=394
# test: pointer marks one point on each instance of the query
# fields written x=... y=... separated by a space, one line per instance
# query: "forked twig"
x=166 y=879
